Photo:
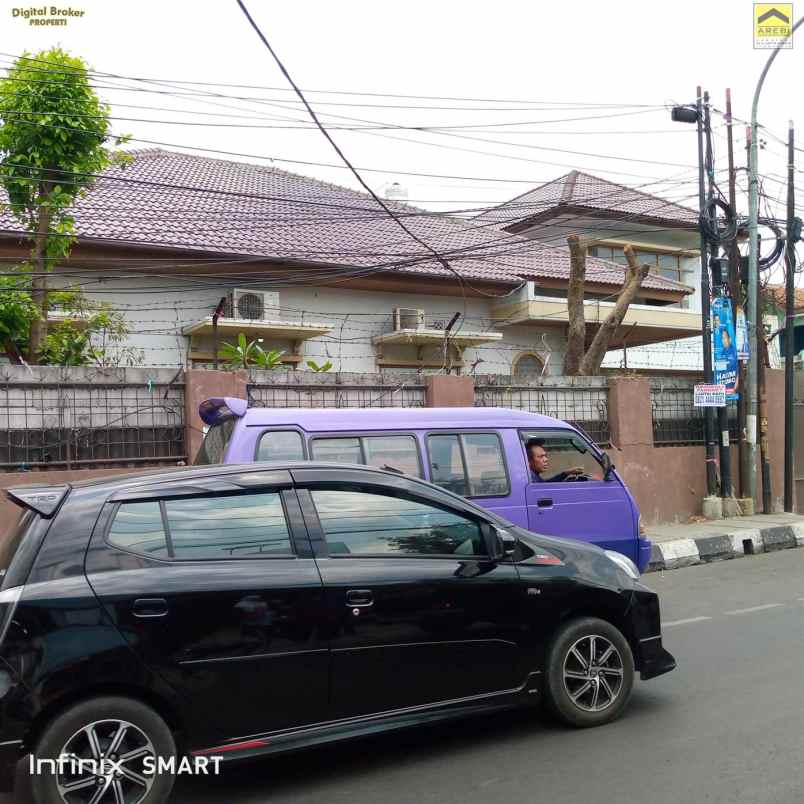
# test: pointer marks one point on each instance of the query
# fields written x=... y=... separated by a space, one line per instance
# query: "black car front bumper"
x=654 y=660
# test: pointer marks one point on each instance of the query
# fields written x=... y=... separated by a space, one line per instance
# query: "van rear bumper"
x=644 y=549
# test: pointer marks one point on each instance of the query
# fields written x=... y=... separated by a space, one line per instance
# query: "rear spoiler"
x=45 y=500
x=222 y=408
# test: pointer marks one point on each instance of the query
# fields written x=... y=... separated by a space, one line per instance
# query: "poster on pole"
x=741 y=333
x=724 y=350
x=709 y=396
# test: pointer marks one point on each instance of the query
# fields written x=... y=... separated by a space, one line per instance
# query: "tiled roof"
x=778 y=295
x=196 y=203
x=587 y=192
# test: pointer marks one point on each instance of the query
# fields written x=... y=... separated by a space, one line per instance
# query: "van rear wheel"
x=103 y=751
x=590 y=673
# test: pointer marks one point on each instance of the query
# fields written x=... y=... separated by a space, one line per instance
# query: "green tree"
x=17 y=313
x=54 y=132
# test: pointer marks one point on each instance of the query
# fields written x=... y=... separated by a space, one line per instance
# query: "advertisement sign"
x=741 y=333
x=709 y=396
x=724 y=350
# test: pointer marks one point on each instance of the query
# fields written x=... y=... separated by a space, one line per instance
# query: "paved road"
x=726 y=726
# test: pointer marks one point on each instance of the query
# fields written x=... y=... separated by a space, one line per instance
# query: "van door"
x=588 y=508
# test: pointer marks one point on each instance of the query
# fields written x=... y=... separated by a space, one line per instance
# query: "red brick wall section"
x=201 y=384
x=446 y=391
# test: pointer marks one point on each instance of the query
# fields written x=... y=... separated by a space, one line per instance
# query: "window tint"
x=280 y=445
x=339 y=450
x=359 y=523
x=485 y=462
x=482 y=475
x=244 y=526
x=137 y=527
x=566 y=451
x=395 y=452
x=446 y=463
x=400 y=453
x=215 y=441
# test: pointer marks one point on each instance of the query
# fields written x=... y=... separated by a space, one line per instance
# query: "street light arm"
x=761 y=81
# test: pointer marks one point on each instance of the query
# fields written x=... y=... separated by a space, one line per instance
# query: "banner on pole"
x=741 y=333
x=724 y=351
x=709 y=396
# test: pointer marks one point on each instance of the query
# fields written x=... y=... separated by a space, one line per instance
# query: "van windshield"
x=215 y=442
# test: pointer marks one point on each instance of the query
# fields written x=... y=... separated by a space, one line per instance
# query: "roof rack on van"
x=45 y=500
x=221 y=408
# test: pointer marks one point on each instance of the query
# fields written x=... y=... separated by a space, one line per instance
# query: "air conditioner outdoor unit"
x=408 y=318
x=253 y=305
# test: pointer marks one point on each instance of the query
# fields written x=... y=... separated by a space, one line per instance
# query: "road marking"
x=684 y=622
x=755 y=608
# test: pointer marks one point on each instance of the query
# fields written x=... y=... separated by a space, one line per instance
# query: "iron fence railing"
x=585 y=407
x=676 y=420
x=90 y=424
x=283 y=395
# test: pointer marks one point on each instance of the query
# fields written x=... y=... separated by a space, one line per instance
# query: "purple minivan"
x=479 y=453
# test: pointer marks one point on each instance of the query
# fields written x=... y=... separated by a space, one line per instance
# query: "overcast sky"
x=625 y=60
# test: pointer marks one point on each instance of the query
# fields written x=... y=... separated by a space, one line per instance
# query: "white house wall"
x=158 y=308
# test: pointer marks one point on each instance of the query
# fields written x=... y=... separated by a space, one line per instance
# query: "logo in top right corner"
x=773 y=25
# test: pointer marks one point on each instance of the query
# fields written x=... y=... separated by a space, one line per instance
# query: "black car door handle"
x=359 y=597
x=150 y=607
x=545 y=502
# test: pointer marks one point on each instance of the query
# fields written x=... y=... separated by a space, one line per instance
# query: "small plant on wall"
x=313 y=366
x=246 y=354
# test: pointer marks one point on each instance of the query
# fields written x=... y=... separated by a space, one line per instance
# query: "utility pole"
x=753 y=278
x=736 y=296
x=762 y=396
x=706 y=316
x=722 y=415
x=789 y=310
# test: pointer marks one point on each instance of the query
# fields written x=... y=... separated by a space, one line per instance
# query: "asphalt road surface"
x=726 y=726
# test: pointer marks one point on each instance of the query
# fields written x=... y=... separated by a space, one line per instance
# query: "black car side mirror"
x=506 y=543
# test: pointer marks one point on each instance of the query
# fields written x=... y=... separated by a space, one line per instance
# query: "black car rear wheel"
x=104 y=751
x=590 y=673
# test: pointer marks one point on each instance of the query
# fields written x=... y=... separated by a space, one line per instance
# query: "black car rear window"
x=10 y=544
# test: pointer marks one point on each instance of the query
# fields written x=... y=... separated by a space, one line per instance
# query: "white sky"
x=588 y=52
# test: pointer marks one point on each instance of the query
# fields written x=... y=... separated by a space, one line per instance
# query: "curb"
x=721 y=546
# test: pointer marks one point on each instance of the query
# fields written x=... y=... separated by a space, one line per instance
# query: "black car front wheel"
x=104 y=751
x=590 y=673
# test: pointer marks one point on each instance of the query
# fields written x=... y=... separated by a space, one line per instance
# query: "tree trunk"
x=39 y=284
x=634 y=275
x=576 y=331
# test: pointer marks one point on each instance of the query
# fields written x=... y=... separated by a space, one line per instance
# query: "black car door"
x=418 y=610
x=214 y=586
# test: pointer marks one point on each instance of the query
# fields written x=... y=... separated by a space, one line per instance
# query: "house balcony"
x=429 y=344
x=643 y=323
x=296 y=332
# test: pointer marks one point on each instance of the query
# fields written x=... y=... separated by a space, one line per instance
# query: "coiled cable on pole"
x=778 y=249
x=709 y=224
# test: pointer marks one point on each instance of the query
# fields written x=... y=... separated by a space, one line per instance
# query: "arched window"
x=528 y=364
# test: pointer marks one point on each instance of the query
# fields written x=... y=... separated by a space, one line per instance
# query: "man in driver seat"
x=539 y=461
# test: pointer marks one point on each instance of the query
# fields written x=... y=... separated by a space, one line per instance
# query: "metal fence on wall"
x=90 y=424
x=676 y=420
x=586 y=407
x=336 y=395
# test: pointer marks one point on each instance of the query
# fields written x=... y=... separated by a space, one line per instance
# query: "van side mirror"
x=608 y=466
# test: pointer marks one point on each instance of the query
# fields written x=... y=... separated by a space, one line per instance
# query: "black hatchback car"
x=152 y=621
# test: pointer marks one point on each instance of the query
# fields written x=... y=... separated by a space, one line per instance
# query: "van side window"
x=471 y=464
x=280 y=445
x=565 y=450
x=397 y=453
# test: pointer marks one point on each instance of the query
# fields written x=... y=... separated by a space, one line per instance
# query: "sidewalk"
x=712 y=540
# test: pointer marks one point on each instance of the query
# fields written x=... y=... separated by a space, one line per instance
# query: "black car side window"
x=138 y=528
x=203 y=528
x=363 y=523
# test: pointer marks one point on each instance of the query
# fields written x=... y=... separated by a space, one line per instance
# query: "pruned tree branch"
x=576 y=332
x=634 y=276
